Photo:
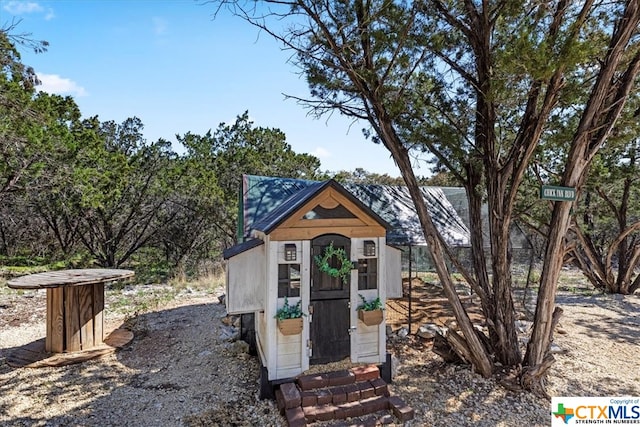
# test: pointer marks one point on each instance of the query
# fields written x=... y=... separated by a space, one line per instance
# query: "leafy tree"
x=361 y=176
x=58 y=201
x=196 y=204
x=122 y=186
x=610 y=84
x=475 y=85
x=20 y=121
x=10 y=61
x=604 y=238
x=20 y=232
x=237 y=149
x=607 y=224
x=35 y=130
x=442 y=179
x=102 y=187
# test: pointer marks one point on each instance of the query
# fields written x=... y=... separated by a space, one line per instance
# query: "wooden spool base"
x=34 y=355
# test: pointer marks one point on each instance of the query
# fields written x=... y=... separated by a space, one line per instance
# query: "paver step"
x=343 y=377
x=346 y=410
x=341 y=395
x=377 y=419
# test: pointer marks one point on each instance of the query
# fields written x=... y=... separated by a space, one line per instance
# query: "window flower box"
x=290 y=326
x=289 y=318
x=371 y=317
x=370 y=312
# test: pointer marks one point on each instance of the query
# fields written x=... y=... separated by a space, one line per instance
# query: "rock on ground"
x=182 y=370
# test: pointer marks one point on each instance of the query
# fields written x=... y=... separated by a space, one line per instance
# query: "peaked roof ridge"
x=296 y=200
x=266 y=199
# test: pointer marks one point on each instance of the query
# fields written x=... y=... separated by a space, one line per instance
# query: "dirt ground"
x=183 y=367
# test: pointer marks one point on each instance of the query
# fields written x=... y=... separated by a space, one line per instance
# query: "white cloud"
x=53 y=83
x=159 y=25
x=22 y=7
x=321 y=153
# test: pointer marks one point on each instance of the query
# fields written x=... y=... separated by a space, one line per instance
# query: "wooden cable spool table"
x=75 y=305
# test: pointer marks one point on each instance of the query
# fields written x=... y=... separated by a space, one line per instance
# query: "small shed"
x=279 y=262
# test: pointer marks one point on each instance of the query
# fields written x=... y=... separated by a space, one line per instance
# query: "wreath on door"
x=345 y=264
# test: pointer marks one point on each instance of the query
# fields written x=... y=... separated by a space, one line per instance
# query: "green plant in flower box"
x=288 y=311
x=370 y=312
x=374 y=304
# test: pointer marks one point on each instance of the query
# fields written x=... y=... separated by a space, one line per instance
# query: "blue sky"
x=178 y=69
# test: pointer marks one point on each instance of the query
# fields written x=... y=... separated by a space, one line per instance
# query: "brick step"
x=344 y=394
x=337 y=378
x=346 y=410
x=377 y=419
x=340 y=395
x=379 y=405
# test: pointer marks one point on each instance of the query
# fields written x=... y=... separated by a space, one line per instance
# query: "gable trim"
x=329 y=196
x=327 y=193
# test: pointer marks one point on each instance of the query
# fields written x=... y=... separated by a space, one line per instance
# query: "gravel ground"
x=181 y=369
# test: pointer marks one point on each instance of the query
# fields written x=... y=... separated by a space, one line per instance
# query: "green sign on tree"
x=563 y=194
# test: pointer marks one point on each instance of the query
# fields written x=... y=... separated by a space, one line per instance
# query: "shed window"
x=368 y=273
x=369 y=248
x=288 y=280
x=290 y=252
x=323 y=213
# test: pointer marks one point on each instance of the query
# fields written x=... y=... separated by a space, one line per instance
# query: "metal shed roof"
x=266 y=201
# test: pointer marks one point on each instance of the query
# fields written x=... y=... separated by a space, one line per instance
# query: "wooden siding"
x=289 y=358
x=289 y=348
x=305 y=290
x=283 y=365
x=357 y=244
x=369 y=342
x=246 y=282
x=298 y=228
x=367 y=338
x=393 y=276
x=319 y=230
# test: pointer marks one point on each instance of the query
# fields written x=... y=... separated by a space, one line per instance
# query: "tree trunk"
x=605 y=104
x=534 y=377
x=474 y=181
x=475 y=349
x=505 y=342
x=536 y=357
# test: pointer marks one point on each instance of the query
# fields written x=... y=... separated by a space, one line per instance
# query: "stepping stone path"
x=339 y=395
